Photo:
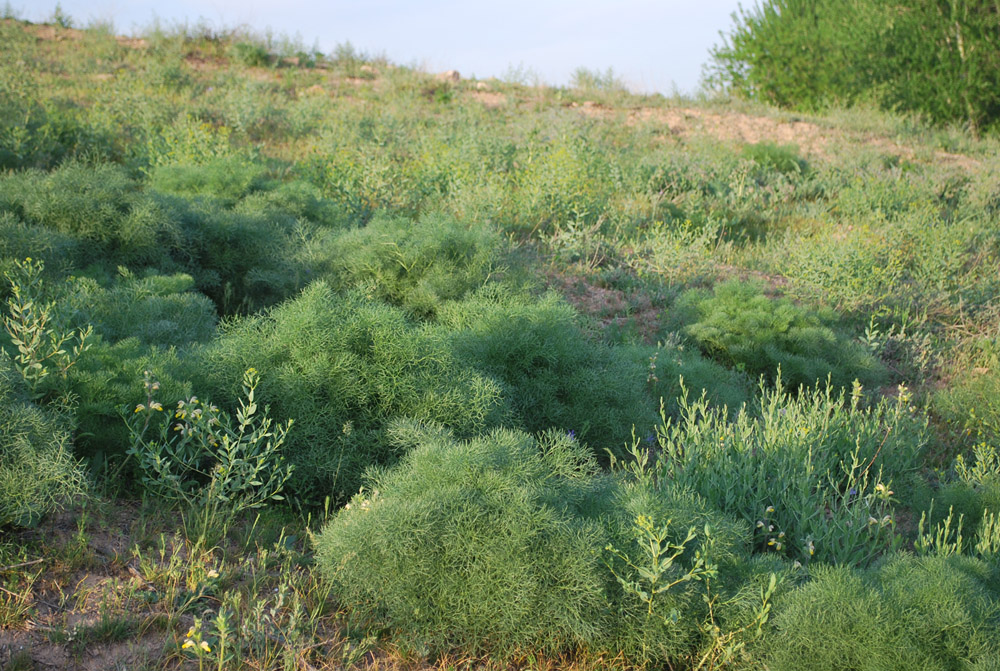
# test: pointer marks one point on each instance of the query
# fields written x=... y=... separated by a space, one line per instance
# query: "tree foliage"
x=934 y=57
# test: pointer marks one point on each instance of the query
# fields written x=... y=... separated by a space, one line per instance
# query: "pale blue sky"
x=651 y=45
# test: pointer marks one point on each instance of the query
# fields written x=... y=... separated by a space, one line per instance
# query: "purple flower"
x=571 y=435
x=853 y=492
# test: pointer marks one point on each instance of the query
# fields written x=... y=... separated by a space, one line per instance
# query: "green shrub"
x=478 y=544
x=250 y=54
x=342 y=367
x=19 y=240
x=812 y=474
x=671 y=369
x=912 y=613
x=497 y=545
x=297 y=199
x=783 y=158
x=796 y=53
x=187 y=141
x=553 y=375
x=108 y=384
x=226 y=179
x=156 y=309
x=417 y=265
x=740 y=326
x=242 y=259
x=37 y=471
x=99 y=204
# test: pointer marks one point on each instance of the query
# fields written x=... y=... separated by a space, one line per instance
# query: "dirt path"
x=815 y=141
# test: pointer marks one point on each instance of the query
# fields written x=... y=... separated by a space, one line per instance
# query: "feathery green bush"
x=242 y=258
x=226 y=179
x=927 y=613
x=742 y=327
x=19 y=240
x=155 y=309
x=507 y=543
x=342 y=367
x=414 y=264
x=100 y=206
x=553 y=375
x=38 y=473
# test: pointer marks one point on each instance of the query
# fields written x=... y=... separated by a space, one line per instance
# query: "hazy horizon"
x=651 y=46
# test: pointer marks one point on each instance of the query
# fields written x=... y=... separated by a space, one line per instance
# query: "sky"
x=652 y=46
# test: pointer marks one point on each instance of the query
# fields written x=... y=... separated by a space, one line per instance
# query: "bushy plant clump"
x=38 y=473
x=100 y=206
x=414 y=264
x=783 y=158
x=250 y=54
x=936 y=612
x=552 y=374
x=221 y=223
x=342 y=367
x=108 y=383
x=19 y=240
x=155 y=309
x=478 y=543
x=813 y=474
x=967 y=498
x=672 y=370
x=506 y=543
x=742 y=327
x=243 y=261
x=225 y=179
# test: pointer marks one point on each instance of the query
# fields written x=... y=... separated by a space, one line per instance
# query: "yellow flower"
x=190 y=632
x=213 y=573
x=140 y=407
x=204 y=646
x=187 y=644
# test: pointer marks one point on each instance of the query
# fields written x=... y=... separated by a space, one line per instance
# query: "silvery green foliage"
x=812 y=473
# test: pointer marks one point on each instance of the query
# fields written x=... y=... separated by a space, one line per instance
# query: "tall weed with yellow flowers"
x=200 y=459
